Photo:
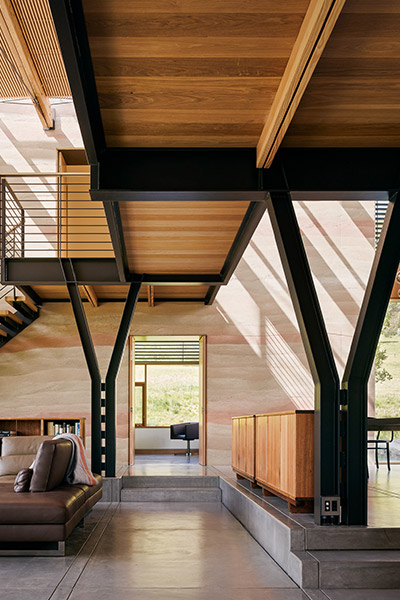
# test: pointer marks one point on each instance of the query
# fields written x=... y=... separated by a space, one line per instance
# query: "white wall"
x=157 y=438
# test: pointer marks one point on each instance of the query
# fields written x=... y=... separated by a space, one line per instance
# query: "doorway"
x=167 y=386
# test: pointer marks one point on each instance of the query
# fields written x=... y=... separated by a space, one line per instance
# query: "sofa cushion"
x=23 y=481
x=22 y=444
x=50 y=464
x=10 y=465
x=57 y=506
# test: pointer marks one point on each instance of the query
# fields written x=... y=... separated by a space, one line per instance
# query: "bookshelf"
x=45 y=426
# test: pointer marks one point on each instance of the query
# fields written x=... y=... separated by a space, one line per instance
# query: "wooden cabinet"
x=284 y=455
x=243 y=446
x=44 y=426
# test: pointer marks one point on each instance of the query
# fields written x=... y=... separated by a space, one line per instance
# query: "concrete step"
x=352 y=538
x=143 y=481
x=362 y=569
x=166 y=494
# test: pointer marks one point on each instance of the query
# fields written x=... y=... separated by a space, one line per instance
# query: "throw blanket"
x=78 y=470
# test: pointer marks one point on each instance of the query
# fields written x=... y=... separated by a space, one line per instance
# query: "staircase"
x=170 y=489
x=13 y=322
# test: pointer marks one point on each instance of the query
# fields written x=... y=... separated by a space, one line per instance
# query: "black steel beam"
x=245 y=232
x=334 y=169
x=48 y=271
x=211 y=294
x=360 y=361
x=179 y=170
x=129 y=174
x=70 y=26
x=94 y=371
x=112 y=372
x=107 y=195
x=93 y=271
x=316 y=344
x=114 y=222
x=30 y=293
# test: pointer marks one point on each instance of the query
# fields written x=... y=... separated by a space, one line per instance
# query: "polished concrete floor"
x=177 y=551
x=168 y=551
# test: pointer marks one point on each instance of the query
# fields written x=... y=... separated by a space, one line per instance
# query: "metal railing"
x=52 y=215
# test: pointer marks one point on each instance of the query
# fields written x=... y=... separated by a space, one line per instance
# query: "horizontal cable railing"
x=51 y=215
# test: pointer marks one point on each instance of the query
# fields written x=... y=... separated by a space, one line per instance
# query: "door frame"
x=202 y=391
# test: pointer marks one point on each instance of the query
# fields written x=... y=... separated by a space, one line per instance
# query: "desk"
x=386 y=424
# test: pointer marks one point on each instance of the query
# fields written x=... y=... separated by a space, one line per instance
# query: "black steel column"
x=113 y=368
x=359 y=364
x=316 y=344
x=94 y=371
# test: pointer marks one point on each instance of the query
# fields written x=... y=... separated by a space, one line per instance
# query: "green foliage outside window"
x=172 y=394
x=387 y=365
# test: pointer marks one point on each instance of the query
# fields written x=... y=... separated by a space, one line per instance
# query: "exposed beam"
x=314 y=33
x=316 y=345
x=230 y=174
x=177 y=170
x=247 y=227
x=24 y=63
x=70 y=26
x=91 y=295
x=114 y=222
x=211 y=294
x=359 y=365
x=91 y=271
x=30 y=293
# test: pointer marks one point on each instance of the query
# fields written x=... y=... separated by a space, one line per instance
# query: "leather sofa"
x=39 y=521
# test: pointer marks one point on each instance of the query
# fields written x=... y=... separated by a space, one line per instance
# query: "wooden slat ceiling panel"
x=10 y=84
x=179 y=237
x=186 y=72
x=353 y=98
x=37 y=26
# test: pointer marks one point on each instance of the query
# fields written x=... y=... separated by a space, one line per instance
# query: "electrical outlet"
x=330 y=506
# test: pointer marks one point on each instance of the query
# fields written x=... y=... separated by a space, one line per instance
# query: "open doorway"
x=167 y=387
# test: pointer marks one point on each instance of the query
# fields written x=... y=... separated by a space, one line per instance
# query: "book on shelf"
x=7 y=432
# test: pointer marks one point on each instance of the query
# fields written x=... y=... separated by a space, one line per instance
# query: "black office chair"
x=185 y=431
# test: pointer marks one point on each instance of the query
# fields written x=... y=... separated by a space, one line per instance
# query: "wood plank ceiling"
x=353 y=97
x=187 y=73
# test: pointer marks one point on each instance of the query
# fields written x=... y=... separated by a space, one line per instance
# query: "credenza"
x=275 y=451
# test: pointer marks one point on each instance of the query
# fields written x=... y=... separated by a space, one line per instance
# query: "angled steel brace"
x=91 y=361
x=113 y=369
x=316 y=344
x=359 y=364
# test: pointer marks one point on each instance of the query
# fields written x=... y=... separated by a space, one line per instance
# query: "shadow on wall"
x=340 y=275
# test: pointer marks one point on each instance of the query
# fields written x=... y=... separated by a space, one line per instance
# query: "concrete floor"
x=176 y=551
x=171 y=551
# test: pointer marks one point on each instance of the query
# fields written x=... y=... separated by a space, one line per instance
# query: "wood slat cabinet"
x=283 y=458
x=243 y=446
x=285 y=455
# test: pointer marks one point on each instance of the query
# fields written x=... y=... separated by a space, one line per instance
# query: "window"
x=167 y=381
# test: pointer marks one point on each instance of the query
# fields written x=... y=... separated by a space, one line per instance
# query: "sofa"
x=39 y=520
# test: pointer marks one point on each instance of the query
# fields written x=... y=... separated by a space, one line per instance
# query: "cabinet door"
x=261 y=448
x=235 y=443
x=274 y=451
x=288 y=454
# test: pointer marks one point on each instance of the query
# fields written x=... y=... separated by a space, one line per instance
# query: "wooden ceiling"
x=172 y=237
x=31 y=65
x=353 y=97
x=186 y=72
